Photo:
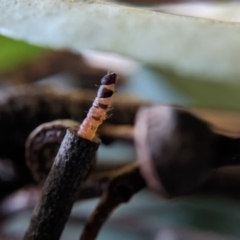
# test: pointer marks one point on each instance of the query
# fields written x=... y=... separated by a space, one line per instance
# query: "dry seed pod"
x=174 y=148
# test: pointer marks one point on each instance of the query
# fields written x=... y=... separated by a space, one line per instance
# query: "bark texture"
x=71 y=166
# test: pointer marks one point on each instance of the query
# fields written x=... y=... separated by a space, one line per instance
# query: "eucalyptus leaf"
x=186 y=49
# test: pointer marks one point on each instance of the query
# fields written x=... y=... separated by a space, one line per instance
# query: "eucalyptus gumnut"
x=174 y=148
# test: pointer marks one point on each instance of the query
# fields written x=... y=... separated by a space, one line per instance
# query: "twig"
x=93 y=187
x=43 y=143
x=70 y=167
x=110 y=132
x=27 y=198
x=101 y=105
x=122 y=187
x=23 y=108
x=223 y=182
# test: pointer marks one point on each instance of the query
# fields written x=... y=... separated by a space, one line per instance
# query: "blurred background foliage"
x=14 y=53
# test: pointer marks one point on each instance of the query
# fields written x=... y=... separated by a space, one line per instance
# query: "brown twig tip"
x=98 y=112
x=124 y=183
x=108 y=79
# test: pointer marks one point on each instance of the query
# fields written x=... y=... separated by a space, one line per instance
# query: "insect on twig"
x=101 y=105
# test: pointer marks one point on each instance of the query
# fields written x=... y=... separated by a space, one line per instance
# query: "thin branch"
x=27 y=198
x=70 y=168
x=124 y=184
x=43 y=143
x=109 y=133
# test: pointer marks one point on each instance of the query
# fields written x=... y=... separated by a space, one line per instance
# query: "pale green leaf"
x=199 y=55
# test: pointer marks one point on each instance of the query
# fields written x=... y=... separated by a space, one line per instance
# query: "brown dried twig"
x=71 y=166
x=30 y=196
x=123 y=185
x=93 y=187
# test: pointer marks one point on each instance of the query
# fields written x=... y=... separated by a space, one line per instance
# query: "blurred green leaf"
x=14 y=53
